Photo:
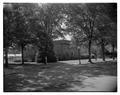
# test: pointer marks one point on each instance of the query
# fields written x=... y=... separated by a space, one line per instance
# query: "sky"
x=67 y=37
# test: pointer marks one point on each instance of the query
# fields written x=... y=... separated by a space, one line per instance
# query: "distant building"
x=64 y=50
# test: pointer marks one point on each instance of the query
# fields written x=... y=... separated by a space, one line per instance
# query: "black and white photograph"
x=60 y=47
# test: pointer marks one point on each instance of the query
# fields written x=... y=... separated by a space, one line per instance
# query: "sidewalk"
x=84 y=61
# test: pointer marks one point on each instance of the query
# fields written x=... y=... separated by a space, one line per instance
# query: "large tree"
x=18 y=18
x=83 y=16
x=102 y=33
x=47 y=25
x=87 y=18
x=107 y=27
x=37 y=24
x=8 y=28
x=21 y=33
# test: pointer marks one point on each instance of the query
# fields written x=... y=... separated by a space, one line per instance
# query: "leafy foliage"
x=40 y=24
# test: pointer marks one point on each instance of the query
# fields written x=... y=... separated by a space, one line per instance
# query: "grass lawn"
x=60 y=77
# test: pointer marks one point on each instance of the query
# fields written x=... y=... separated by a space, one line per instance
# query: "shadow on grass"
x=53 y=76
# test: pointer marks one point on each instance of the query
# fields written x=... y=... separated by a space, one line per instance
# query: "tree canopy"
x=40 y=24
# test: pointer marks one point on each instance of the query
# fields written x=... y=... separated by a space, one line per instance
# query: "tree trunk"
x=113 y=51
x=89 y=50
x=79 y=56
x=6 y=57
x=36 y=56
x=22 y=52
x=43 y=56
x=46 y=60
x=103 y=50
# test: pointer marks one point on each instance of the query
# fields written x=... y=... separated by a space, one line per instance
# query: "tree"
x=113 y=38
x=46 y=26
x=83 y=16
x=8 y=26
x=112 y=13
x=35 y=24
x=106 y=24
x=102 y=26
x=86 y=17
x=21 y=33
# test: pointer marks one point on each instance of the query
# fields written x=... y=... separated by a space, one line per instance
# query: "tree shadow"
x=54 y=77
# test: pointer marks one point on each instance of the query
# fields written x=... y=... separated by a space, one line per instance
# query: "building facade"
x=64 y=50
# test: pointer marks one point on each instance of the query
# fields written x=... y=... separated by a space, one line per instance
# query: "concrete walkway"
x=101 y=83
x=84 y=61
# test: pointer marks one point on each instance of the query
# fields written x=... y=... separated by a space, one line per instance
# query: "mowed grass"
x=53 y=76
